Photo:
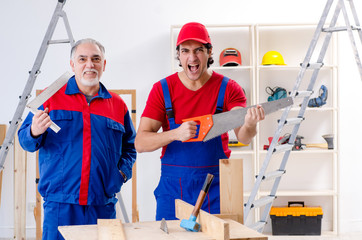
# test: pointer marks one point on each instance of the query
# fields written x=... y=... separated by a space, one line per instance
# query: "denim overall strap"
x=220 y=98
x=168 y=104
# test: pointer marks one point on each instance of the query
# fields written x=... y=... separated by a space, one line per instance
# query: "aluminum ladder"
x=33 y=74
x=274 y=148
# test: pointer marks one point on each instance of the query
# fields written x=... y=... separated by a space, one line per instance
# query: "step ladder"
x=274 y=148
x=33 y=74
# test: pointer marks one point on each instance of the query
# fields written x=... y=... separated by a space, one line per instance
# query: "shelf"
x=307 y=151
x=304 y=193
x=232 y=68
x=286 y=67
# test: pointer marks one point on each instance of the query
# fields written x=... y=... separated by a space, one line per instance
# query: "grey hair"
x=86 y=40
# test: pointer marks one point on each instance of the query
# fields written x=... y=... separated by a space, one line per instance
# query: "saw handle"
x=205 y=123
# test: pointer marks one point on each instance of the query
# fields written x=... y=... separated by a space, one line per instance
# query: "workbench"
x=151 y=230
x=213 y=227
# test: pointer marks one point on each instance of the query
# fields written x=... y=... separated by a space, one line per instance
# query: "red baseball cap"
x=230 y=57
x=193 y=31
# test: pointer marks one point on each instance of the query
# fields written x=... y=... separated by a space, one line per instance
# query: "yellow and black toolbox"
x=296 y=219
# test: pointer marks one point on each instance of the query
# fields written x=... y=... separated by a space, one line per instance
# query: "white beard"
x=90 y=82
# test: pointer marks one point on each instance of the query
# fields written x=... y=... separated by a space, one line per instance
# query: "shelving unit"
x=312 y=174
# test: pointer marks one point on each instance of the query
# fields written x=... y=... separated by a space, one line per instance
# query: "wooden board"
x=139 y=231
x=110 y=229
x=132 y=92
x=19 y=190
x=2 y=137
x=215 y=227
x=38 y=198
x=231 y=187
x=152 y=231
x=240 y=232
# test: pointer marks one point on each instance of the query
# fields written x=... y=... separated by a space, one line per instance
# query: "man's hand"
x=253 y=116
x=41 y=122
x=186 y=131
x=247 y=131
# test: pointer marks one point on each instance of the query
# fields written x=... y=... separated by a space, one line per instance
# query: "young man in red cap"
x=195 y=91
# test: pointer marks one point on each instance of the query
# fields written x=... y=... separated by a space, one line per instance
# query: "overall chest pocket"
x=64 y=119
x=115 y=131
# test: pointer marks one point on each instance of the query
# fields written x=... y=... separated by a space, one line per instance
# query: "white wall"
x=136 y=36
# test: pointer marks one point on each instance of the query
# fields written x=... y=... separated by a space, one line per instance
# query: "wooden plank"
x=132 y=92
x=138 y=230
x=231 y=187
x=227 y=216
x=152 y=231
x=213 y=226
x=110 y=229
x=19 y=190
x=38 y=204
x=240 y=232
x=2 y=137
x=38 y=198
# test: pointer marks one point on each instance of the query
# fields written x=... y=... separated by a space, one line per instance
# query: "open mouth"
x=193 y=67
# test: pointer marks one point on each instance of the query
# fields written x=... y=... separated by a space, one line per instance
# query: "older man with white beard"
x=84 y=165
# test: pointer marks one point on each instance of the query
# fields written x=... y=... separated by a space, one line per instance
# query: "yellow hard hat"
x=273 y=58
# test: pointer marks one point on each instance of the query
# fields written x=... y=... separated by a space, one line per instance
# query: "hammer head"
x=329 y=140
x=190 y=224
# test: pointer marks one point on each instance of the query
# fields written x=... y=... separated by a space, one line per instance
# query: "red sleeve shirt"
x=187 y=103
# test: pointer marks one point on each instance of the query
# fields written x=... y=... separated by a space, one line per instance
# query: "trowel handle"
x=202 y=195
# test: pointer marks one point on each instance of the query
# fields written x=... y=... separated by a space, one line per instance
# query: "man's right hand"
x=41 y=122
x=186 y=131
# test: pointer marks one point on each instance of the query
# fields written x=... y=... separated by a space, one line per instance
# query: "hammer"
x=329 y=144
x=191 y=224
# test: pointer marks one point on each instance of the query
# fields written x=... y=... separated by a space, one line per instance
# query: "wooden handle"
x=202 y=195
x=317 y=145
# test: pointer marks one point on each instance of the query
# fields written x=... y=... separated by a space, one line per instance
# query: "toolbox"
x=296 y=219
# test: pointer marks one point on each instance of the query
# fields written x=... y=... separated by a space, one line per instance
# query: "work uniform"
x=80 y=165
x=184 y=165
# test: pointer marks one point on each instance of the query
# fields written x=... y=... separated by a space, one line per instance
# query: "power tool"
x=321 y=100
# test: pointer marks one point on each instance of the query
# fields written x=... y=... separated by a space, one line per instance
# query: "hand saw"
x=212 y=126
x=47 y=93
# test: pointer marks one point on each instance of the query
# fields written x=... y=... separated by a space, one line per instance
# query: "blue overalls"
x=185 y=165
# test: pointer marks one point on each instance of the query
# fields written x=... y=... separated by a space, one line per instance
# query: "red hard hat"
x=193 y=31
x=230 y=57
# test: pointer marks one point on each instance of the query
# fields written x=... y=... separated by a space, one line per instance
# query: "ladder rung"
x=263 y=201
x=293 y=121
x=313 y=65
x=338 y=29
x=283 y=148
x=273 y=175
x=37 y=72
x=301 y=94
x=59 y=41
x=258 y=225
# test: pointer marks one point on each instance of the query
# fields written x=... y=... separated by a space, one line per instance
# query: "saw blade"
x=163 y=226
x=224 y=122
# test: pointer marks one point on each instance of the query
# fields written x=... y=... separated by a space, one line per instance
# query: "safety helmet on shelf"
x=230 y=57
x=193 y=31
x=273 y=58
